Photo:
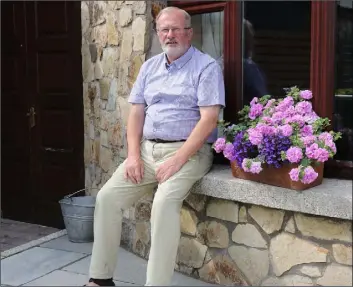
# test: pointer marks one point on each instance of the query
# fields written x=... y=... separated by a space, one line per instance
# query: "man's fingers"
x=131 y=175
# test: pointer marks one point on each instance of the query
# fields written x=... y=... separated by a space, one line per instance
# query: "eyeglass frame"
x=173 y=30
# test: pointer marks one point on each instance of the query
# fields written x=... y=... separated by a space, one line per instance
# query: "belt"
x=165 y=141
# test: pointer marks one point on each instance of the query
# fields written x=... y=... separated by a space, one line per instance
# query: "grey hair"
x=171 y=9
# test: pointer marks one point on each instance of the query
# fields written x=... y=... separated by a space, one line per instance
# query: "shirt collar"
x=180 y=62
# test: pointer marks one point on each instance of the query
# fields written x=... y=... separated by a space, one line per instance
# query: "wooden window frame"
x=322 y=61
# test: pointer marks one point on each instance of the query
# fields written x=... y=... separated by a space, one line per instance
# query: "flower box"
x=277 y=176
x=280 y=142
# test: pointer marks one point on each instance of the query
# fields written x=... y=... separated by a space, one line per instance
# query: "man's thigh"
x=177 y=187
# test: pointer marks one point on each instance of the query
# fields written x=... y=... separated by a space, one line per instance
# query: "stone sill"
x=333 y=198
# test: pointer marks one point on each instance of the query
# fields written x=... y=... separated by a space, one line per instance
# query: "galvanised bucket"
x=78 y=212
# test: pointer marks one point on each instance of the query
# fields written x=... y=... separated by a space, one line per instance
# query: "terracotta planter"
x=278 y=176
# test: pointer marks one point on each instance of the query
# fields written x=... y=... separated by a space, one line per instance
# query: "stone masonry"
x=222 y=241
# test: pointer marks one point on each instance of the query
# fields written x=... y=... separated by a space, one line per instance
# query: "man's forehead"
x=169 y=17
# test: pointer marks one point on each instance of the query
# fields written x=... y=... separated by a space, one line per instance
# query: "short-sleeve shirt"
x=173 y=94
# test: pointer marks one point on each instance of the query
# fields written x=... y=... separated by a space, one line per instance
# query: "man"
x=176 y=100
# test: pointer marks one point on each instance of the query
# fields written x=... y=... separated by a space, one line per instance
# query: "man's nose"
x=170 y=34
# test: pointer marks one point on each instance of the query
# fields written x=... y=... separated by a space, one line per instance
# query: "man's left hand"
x=168 y=169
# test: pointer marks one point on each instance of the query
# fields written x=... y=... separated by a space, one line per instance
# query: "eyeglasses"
x=176 y=31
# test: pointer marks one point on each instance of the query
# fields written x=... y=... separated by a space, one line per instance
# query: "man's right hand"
x=134 y=169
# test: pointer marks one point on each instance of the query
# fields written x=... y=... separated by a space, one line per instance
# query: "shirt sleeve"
x=137 y=91
x=210 y=90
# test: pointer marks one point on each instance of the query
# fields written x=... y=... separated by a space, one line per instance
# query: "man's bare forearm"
x=199 y=135
x=134 y=129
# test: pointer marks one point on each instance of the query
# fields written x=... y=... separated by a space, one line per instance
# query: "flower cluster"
x=279 y=131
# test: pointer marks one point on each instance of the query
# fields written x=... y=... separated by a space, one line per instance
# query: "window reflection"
x=344 y=79
x=276 y=47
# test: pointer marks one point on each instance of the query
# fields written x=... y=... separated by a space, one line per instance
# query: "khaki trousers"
x=118 y=194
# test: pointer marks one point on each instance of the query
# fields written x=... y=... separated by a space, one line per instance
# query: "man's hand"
x=134 y=169
x=168 y=169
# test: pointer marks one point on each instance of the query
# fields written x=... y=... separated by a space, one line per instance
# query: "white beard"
x=174 y=52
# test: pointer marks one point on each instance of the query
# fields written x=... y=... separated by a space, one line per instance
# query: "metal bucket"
x=78 y=215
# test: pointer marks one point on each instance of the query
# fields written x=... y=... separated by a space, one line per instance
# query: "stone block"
x=104 y=138
x=105 y=158
x=112 y=95
x=97 y=11
x=104 y=85
x=336 y=275
x=134 y=70
x=342 y=254
x=196 y=201
x=113 y=33
x=222 y=270
x=288 y=280
x=253 y=263
x=125 y=16
x=87 y=65
x=110 y=61
x=243 y=215
x=248 y=235
x=191 y=252
x=98 y=71
x=143 y=211
x=324 y=228
x=311 y=271
x=139 y=34
x=290 y=227
x=223 y=209
x=126 y=46
x=188 y=221
x=213 y=234
x=139 y=7
x=141 y=238
x=270 y=220
x=99 y=35
x=300 y=251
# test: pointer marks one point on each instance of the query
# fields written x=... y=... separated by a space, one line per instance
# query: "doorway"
x=41 y=109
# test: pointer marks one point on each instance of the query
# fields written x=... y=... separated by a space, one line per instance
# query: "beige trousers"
x=118 y=194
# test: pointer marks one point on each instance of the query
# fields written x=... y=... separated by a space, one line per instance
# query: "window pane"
x=344 y=79
x=276 y=47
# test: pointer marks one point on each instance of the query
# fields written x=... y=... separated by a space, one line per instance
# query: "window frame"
x=322 y=61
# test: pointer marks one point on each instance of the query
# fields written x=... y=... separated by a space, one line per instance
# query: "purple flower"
x=266 y=129
x=306 y=130
x=309 y=175
x=321 y=154
x=311 y=117
x=255 y=167
x=310 y=151
x=277 y=117
x=228 y=151
x=269 y=103
x=285 y=104
x=290 y=112
x=253 y=101
x=294 y=154
x=325 y=137
x=243 y=148
x=267 y=120
x=286 y=130
x=271 y=148
x=296 y=119
x=246 y=164
x=294 y=174
x=308 y=140
x=255 y=136
x=219 y=145
x=331 y=145
x=303 y=107
x=306 y=94
x=255 y=111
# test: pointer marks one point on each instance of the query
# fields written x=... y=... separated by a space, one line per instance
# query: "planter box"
x=278 y=176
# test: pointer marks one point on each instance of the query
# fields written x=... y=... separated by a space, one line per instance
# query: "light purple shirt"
x=173 y=93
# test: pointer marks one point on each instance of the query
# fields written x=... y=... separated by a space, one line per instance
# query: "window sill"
x=333 y=198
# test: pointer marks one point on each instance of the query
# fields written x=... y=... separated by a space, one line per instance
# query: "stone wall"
x=116 y=35
x=229 y=243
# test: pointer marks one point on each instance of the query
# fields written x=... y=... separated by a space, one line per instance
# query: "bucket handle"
x=72 y=194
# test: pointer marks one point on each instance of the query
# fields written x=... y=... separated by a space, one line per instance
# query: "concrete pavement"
x=60 y=262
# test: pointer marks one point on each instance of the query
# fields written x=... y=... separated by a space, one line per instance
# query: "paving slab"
x=65 y=278
x=34 y=263
x=132 y=269
x=63 y=243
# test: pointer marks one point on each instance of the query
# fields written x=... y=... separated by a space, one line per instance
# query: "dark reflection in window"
x=276 y=47
x=343 y=115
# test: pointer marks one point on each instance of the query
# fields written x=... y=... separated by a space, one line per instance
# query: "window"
x=343 y=95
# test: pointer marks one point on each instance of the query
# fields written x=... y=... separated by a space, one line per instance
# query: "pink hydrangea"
x=325 y=137
x=294 y=154
x=331 y=145
x=308 y=140
x=255 y=167
x=309 y=175
x=255 y=111
x=303 y=107
x=285 y=104
x=294 y=174
x=267 y=120
x=266 y=129
x=228 y=151
x=290 y=112
x=219 y=145
x=277 y=117
x=286 y=130
x=246 y=164
x=306 y=130
x=255 y=136
x=311 y=117
x=306 y=94
x=321 y=154
x=253 y=101
x=269 y=103
x=310 y=150
x=296 y=119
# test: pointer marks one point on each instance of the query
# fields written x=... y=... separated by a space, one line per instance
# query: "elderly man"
x=176 y=101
